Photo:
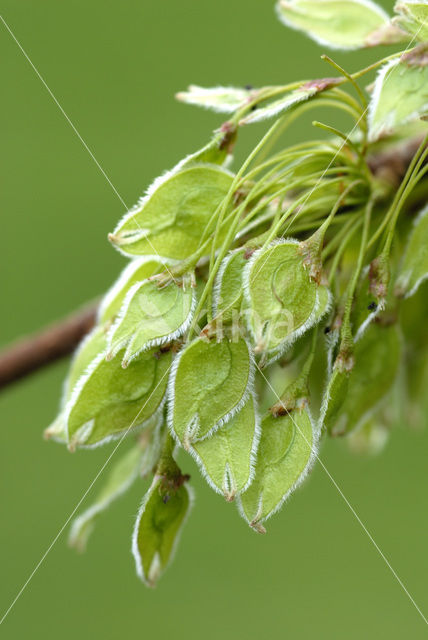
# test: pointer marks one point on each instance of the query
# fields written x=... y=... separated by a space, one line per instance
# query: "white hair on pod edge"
x=252 y=458
x=321 y=41
x=155 y=342
x=158 y=182
x=314 y=447
x=193 y=425
x=134 y=546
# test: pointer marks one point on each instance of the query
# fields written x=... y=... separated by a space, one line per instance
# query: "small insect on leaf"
x=220 y=99
x=282 y=300
x=338 y=24
x=109 y=400
x=228 y=288
x=377 y=357
x=413 y=18
x=227 y=458
x=158 y=527
x=150 y=316
x=414 y=267
x=137 y=270
x=209 y=384
x=122 y=474
x=286 y=452
x=400 y=96
x=172 y=217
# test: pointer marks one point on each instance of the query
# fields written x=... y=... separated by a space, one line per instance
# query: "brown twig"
x=38 y=350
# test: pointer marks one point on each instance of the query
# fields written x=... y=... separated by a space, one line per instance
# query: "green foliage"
x=414 y=268
x=281 y=297
x=158 y=527
x=339 y=24
x=177 y=210
x=251 y=293
x=287 y=448
x=108 y=400
x=400 y=96
x=151 y=315
x=209 y=383
x=413 y=18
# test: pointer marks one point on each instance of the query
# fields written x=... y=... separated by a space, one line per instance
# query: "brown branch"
x=40 y=349
x=60 y=339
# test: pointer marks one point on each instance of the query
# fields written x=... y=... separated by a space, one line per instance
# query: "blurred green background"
x=115 y=67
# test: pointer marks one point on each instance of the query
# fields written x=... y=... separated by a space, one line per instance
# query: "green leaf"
x=209 y=384
x=217 y=151
x=334 y=397
x=90 y=347
x=158 y=527
x=151 y=316
x=110 y=401
x=414 y=267
x=289 y=100
x=282 y=300
x=338 y=24
x=413 y=18
x=377 y=358
x=137 y=270
x=220 y=99
x=177 y=209
x=122 y=475
x=286 y=452
x=228 y=289
x=400 y=96
x=366 y=307
x=227 y=458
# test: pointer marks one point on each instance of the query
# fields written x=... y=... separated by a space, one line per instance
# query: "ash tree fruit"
x=302 y=259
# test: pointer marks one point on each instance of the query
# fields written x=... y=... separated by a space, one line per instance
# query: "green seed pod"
x=282 y=300
x=227 y=458
x=413 y=18
x=220 y=99
x=286 y=452
x=334 y=23
x=414 y=267
x=160 y=521
x=137 y=270
x=209 y=383
x=91 y=346
x=228 y=289
x=151 y=316
x=352 y=396
x=400 y=96
x=172 y=217
x=109 y=401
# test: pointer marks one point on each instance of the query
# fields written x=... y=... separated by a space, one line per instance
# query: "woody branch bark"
x=58 y=340
x=40 y=349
